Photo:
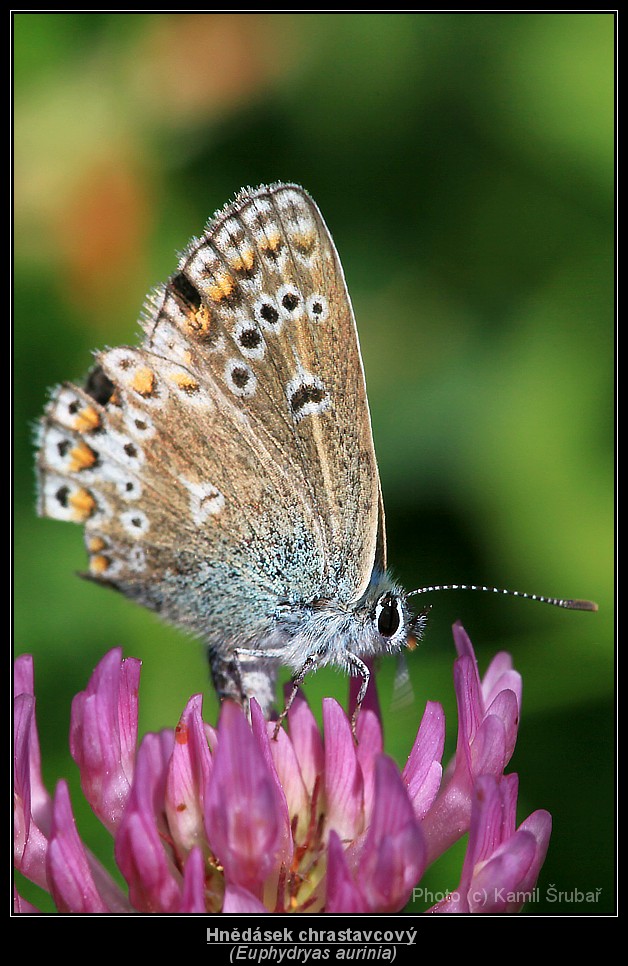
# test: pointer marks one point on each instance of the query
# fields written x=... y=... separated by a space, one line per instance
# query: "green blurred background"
x=464 y=164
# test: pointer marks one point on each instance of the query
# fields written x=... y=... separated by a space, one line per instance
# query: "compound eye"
x=388 y=615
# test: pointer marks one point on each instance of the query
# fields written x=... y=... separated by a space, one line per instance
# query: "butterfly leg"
x=297 y=681
x=361 y=669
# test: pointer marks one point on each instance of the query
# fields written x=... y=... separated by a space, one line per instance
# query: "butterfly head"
x=390 y=624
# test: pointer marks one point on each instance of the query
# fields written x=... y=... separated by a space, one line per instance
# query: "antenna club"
x=581 y=605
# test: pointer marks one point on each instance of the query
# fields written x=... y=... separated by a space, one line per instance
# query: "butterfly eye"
x=388 y=615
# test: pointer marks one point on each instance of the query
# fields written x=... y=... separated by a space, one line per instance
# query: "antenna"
x=555 y=601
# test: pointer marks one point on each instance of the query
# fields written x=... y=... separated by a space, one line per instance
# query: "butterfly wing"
x=264 y=312
x=226 y=467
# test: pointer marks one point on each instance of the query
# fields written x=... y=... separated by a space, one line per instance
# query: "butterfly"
x=224 y=470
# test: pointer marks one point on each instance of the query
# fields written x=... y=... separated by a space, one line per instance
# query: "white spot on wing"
x=240 y=378
x=203 y=264
x=139 y=423
x=206 y=500
x=291 y=302
x=137 y=559
x=267 y=314
x=230 y=233
x=128 y=487
x=317 y=308
x=135 y=522
x=249 y=339
x=307 y=395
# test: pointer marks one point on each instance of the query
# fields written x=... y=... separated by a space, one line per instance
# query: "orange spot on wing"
x=222 y=287
x=272 y=242
x=83 y=503
x=81 y=457
x=199 y=320
x=144 y=381
x=96 y=544
x=303 y=241
x=186 y=383
x=244 y=261
x=99 y=564
x=87 y=420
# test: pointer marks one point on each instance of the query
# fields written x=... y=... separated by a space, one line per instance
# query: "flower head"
x=502 y=864
x=231 y=820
